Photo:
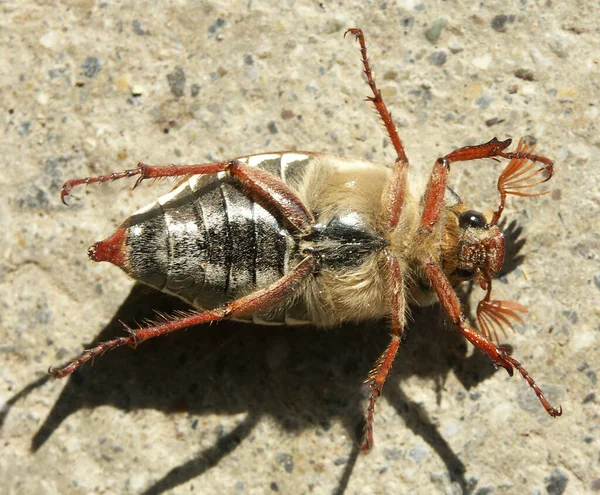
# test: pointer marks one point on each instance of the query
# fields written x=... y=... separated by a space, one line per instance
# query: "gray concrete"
x=97 y=86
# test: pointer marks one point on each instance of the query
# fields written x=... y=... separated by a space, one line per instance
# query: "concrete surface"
x=96 y=86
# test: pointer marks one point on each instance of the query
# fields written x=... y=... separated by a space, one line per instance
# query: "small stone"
x=435 y=30
x=194 y=90
x=217 y=25
x=393 y=454
x=499 y=22
x=137 y=90
x=312 y=87
x=558 y=49
x=407 y=21
x=591 y=397
x=91 y=66
x=455 y=46
x=24 y=128
x=556 y=483
x=484 y=101
x=451 y=428
x=525 y=74
x=176 y=80
x=572 y=316
x=42 y=99
x=437 y=58
x=137 y=28
x=272 y=126
x=482 y=62
x=50 y=40
x=418 y=453
x=56 y=73
x=493 y=121
x=285 y=460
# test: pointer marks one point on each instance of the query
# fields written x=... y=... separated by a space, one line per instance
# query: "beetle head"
x=476 y=250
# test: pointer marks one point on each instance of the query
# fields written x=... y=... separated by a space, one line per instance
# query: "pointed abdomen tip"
x=111 y=249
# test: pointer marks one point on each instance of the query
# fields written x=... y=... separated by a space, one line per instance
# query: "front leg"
x=496 y=353
x=436 y=188
x=515 y=177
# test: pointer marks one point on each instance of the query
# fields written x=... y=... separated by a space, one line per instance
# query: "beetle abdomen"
x=205 y=242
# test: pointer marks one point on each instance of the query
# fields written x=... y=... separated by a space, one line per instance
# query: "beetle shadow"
x=301 y=377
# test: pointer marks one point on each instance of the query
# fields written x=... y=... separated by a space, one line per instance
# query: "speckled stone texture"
x=94 y=87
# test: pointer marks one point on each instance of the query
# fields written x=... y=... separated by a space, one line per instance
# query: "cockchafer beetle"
x=304 y=237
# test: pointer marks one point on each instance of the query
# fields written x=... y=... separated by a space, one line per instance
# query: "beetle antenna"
x=520 y=174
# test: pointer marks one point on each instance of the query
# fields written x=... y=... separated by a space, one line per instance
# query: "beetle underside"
x=450 y=244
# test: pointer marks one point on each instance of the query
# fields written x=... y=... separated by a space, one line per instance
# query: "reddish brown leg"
x=497 y=354
x=383 y=365
x=394 y=196
x=260 y=300
x=436 y=188
x=260 y=183
x=376 y=98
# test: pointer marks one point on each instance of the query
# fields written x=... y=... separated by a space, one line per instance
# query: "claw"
x=66 y=190
x=354 y=31
x=63 y=195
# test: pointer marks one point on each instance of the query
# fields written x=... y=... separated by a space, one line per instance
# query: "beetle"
x=304 y=237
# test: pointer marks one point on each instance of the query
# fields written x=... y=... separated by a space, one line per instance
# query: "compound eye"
x=472 y=218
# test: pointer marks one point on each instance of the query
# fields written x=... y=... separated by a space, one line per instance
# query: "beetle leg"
x=264 y=185
x=383 y=365
x=496 y=353
x=436 y=188
x=394 y=195
x=261 y=300
x=376 y=98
